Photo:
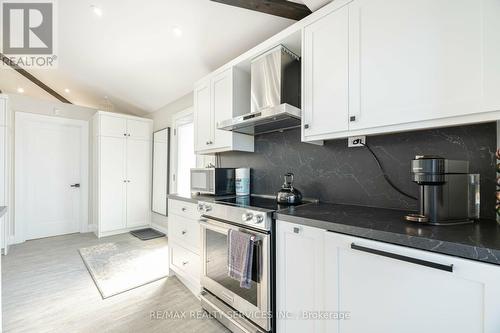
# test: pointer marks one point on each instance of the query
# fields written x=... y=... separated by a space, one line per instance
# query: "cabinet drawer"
x=113 y=126
x=138 y=129
x=185 y=262
x=185 y=231
x=182 y=208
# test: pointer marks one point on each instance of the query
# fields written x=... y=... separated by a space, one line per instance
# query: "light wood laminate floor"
x=47 y=288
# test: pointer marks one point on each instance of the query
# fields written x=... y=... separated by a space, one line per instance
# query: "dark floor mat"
x=147 y=234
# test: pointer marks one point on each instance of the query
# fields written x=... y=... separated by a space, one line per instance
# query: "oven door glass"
x=217 y=263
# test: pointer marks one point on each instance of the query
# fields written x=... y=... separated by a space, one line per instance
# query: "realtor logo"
x=28 y=29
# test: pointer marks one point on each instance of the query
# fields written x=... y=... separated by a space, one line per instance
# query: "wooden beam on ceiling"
x=33 y=79
x=282 y=8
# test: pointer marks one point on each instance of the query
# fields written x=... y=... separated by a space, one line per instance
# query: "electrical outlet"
x=356 y=141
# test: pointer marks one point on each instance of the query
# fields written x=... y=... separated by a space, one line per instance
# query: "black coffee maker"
x=448 y=193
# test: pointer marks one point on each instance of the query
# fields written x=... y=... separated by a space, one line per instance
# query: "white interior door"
x=138 y=182
x=49 y=160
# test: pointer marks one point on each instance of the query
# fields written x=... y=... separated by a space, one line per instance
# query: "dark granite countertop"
x=479 y=241
x=3 y=210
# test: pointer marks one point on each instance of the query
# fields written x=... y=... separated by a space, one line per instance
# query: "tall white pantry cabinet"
x=122 y=172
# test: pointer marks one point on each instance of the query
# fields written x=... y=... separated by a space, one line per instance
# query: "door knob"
x=75 y=185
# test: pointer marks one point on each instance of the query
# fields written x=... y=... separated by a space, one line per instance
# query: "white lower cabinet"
x=299 y=277
x=184 y=242
x=380 y=287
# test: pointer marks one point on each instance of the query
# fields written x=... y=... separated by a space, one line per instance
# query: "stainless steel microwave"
x=215 y=181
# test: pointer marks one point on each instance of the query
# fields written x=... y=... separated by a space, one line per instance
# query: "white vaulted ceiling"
x=132 y=55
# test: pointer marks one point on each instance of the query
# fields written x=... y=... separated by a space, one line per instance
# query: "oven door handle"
x=205 y=223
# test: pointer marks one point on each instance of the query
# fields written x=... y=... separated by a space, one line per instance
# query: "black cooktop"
x=253 y=201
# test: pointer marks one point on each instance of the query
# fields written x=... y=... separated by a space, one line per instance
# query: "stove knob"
x=208 y=208
x=200 y=208
x=247 y=217
x=259 y=219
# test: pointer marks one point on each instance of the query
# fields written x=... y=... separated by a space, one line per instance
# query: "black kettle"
x=288 y=194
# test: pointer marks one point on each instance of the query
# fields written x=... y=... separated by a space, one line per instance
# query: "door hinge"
x=175 y=131
x=173 y=177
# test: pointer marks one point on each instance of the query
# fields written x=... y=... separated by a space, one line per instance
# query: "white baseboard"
x=193 y=286
x=92 y=228
x=12 y=240
x=159 y=228
x=88 y=228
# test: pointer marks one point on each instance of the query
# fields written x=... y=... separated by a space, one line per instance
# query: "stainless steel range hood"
x=275 y=91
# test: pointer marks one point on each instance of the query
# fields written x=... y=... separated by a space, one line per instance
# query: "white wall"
x=163 y=118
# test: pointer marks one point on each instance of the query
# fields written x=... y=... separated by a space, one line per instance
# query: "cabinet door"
x=138 y=182
x=3 y=164
x=326 y=76
x=203 y=122
x=112 y=191
x=414 y=60
x=491 y=70
x=113 y=126
x=384 y=294
x=299 y=291
x=3 y=112
x=138 y=129
x=222 y=107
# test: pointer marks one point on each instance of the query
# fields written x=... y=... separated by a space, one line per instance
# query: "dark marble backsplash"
x=337 y=174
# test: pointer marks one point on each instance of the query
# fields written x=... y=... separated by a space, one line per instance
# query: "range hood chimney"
x=275 y=92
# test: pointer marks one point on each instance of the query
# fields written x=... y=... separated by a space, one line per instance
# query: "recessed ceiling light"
x=177 y=31
x=97 y=10
x=67 y=90
x=20 y=90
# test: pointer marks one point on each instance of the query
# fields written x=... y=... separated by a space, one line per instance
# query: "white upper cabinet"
x=111 y=125
x=415 y=60
x=491 y=49
x=222 y=106
x=203 y=117
x=326 y=76
x=395 y=65
x=118 y=125
x=219 y=97
x=139 y=129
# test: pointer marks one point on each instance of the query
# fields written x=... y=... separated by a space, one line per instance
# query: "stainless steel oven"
x=215 y=181
x=253 y=303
